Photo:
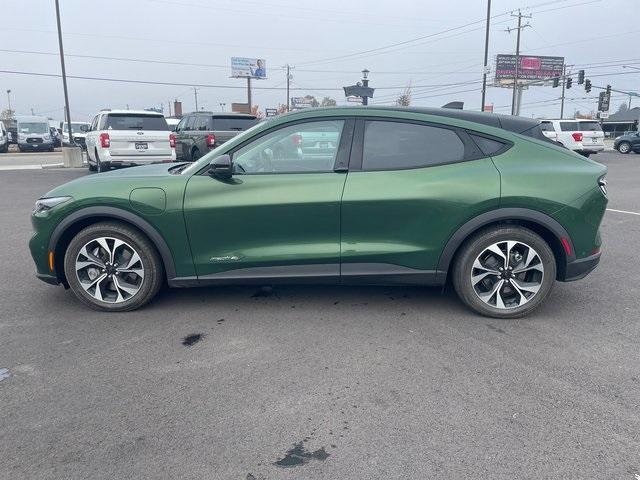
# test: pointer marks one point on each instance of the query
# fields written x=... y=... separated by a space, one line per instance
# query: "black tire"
x=476 y=245
x=4 y=149
x=195 y=154
x=624 y=147
x=585 y=154
x=100 y=167
x=150 y=260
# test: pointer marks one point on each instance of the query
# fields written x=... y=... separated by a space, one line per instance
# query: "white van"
x=581 y=135
x=33 y=134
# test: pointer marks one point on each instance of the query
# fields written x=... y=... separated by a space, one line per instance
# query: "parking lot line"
x=622 y=211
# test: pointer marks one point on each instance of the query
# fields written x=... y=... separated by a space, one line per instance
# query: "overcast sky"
x=322 y=40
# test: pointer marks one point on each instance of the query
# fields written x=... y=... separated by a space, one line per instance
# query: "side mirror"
x=221 y=167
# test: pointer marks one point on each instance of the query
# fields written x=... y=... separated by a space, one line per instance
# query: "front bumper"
x=580 y=268
x=35 y=146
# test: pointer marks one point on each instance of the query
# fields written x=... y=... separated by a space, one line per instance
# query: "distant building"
x=620 y=122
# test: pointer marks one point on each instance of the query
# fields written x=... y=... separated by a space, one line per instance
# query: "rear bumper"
x=586 y=148
x=580 y=268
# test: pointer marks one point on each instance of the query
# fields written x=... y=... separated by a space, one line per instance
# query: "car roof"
x=132 y=112
x=506 y=122
x=221 y=114
x=31 y=118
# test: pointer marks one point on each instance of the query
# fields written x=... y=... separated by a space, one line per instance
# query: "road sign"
x=354 y=99
x=270 y=112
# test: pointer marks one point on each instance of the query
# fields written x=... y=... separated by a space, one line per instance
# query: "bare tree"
x=623 y=107
x=404 y=100
x=328 y=102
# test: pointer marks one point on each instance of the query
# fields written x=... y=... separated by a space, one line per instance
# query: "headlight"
x=22 y=136
x=44 y=204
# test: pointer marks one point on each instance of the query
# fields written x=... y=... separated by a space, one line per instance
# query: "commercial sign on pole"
x=300 y=102
x=242 y=67
x=603 y=101
x=530 y=69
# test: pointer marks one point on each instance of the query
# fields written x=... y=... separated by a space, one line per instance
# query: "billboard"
x=248 y=67
x=531 y=68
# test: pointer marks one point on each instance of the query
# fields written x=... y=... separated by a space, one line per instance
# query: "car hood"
x=99 y=184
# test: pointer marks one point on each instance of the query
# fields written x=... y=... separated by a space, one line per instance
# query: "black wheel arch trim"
x=117 y=214
x=501 y=214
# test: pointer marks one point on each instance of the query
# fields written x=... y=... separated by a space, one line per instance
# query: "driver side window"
x=303 y=147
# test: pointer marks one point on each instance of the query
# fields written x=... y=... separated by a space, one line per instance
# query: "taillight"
x=172 y=140
x=211 y=140
x=296 y=139
x=577 y=136
x=105 y=142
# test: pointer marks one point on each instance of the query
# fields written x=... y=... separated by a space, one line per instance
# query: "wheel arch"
x=547 y=227
x=72 y=224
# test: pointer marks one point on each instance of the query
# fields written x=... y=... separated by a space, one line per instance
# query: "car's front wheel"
x=624 y=147
x=504 y=272
x=112 y=267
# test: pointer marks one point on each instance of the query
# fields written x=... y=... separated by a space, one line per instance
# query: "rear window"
x=132 y=121
x=547 y=127
x=233 y=123
x=590 y=126
x=569 y=126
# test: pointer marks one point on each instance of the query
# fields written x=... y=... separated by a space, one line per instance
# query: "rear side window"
x=488 y=146
x=203 y=123
x=131 y=121
x=590 y=126
x=569 y=126
x=233 y=123
x=397 y=145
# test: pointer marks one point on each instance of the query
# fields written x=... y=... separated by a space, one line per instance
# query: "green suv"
x=385 y=196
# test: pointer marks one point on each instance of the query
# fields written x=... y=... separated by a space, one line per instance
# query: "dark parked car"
x=56 y=137
x=199 y=132
x=629 y=142
x=392 y=196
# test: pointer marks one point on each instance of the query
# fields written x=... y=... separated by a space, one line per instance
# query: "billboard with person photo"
x=248 y=67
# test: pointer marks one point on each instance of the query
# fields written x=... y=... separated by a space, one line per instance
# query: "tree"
x=312 y=100
x=7 y=114
x=404 y=100
x=328 y=102
x=623 y=107
x=255 y=110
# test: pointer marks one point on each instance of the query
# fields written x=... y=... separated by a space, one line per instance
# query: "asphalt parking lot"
x=320 y=382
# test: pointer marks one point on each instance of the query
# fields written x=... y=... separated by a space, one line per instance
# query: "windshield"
x=195 y=166
x=77 y=127
x=133 y=121
x=32 y=127
x=233 y=123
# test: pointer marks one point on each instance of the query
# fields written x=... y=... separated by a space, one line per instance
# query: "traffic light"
x=608 y=90
x=556 y=82
x=587 y=85
x=580 y=77
x=569 y=82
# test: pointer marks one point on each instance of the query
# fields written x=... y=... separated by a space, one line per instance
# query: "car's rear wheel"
x=100 y=167
x=504 y=272
x=195 y=154
x=112 y=267
x=624 y=147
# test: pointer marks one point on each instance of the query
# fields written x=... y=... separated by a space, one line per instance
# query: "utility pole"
x=288 y=67
x=195 y=94
x=515 y=76
x=169 y=103
x=365 y=84
x=32 y=114
x=249 y=93
x=486 y=56
x=9 y=100
x=564 y=76
x=64 y=74
x=222 y=105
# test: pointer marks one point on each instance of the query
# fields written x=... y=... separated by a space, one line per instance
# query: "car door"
x=181 y=138
x=278 y=216
x=635 y=142
x=410 y=186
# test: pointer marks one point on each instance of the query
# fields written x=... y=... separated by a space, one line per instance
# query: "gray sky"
x=308 y=35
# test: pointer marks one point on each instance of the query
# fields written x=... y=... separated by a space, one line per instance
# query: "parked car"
x=4 y=139
x=78 y=130
x=582 y=136
x=548 y=130
x=407 y=196
x=56 y=137
x=199 y=132
x=124 y=138
x=33 y=134
x=172 y=123
x=629 y=142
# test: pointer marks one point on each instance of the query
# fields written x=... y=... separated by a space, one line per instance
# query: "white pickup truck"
x=123 y=138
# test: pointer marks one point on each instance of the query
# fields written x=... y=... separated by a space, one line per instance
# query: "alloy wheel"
x=507 y=274
x=109 y=269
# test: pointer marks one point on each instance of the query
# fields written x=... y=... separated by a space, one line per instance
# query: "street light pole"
x=486 y=56
x=514 y=109
x=64 y=74
x=365 y=83
x=9 y=100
